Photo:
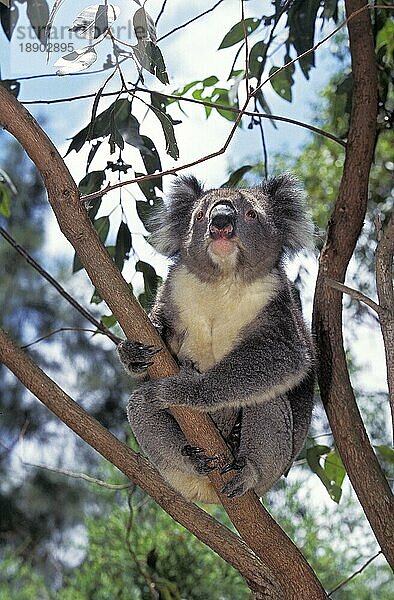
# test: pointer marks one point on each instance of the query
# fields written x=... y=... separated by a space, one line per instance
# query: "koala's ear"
x=171 y=223
x=289 y=212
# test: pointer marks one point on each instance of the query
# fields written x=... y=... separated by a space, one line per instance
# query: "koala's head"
x=220 y=232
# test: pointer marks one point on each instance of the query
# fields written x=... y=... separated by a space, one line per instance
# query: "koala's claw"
x=191 y=450
x=243 y=480
x=236 y=465
x=136 y=357
x=203 y=464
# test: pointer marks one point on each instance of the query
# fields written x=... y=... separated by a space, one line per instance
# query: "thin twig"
x=346 y=581
x=190 y=21
x=161 y=12
x=58 y=287
x=48 y=335
x=88 y=478
x=354 y=294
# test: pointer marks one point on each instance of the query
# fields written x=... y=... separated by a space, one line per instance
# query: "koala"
x=232 y=320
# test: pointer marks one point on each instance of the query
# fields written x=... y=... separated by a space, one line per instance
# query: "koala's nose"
x=222 y=221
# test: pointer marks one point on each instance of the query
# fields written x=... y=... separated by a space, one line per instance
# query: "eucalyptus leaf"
x=123 y=245
x=236 y=176
x=151 y=160
x=92 y=182
x=101 y=225
x=76 y=61
x=237 y=32
x=144 y=26
x=38 y=15
x=282 y=82
x=149 y=56
x=95 y=20
x=167 y=126
x=9 y=19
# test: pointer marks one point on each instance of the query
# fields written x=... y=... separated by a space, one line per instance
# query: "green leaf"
x=151 y=160
x=210 y=81
x=144 y=26
x=103 y=125
x=301 y=20
x=150 y=58
x=38 y=14
x=92 y=182
x=77 y=265
x=108 y=320
x=167 y=126
x=221 y=96
x=9 y=19
x=151 y=282
x=101 y=225
x=282 y=82
x=257 y=57
x=5 y=201
x=236 y=176
x=96 y=297
x=147 y=187
x=123 y=245
x=313 y=456
x=128 y=126
x=334 y=469
x=237 y=32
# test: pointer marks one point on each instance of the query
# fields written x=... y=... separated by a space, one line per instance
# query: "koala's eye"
x=199 y=215
x=250 y=215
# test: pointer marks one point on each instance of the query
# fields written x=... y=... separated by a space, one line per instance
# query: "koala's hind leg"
x=265 y=450
x=162 y=440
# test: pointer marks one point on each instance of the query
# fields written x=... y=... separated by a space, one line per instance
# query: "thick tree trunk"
x=344 y=229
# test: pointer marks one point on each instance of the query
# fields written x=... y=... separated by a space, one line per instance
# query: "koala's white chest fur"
x=212 y=315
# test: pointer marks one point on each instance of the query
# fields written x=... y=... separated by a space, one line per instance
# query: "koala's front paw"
x=136 y=357
x=245 y=478
x=202 y=463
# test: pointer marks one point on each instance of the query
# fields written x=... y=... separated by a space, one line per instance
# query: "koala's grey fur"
x=230 y=316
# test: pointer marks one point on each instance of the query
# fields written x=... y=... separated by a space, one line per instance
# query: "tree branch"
x=353 y=293
x=360 y=570
x=384 y=286
x=262 y=534
x=344 y=229
x=133 y=465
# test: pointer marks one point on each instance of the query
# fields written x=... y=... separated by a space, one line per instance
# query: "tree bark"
x=257 y=528
x=385 y=289
x=344 y=229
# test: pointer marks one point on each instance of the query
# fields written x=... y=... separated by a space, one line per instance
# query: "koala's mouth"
x=223 y=246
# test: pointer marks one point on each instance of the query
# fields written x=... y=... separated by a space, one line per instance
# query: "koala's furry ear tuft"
x=289 y=211
x=172 y=221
